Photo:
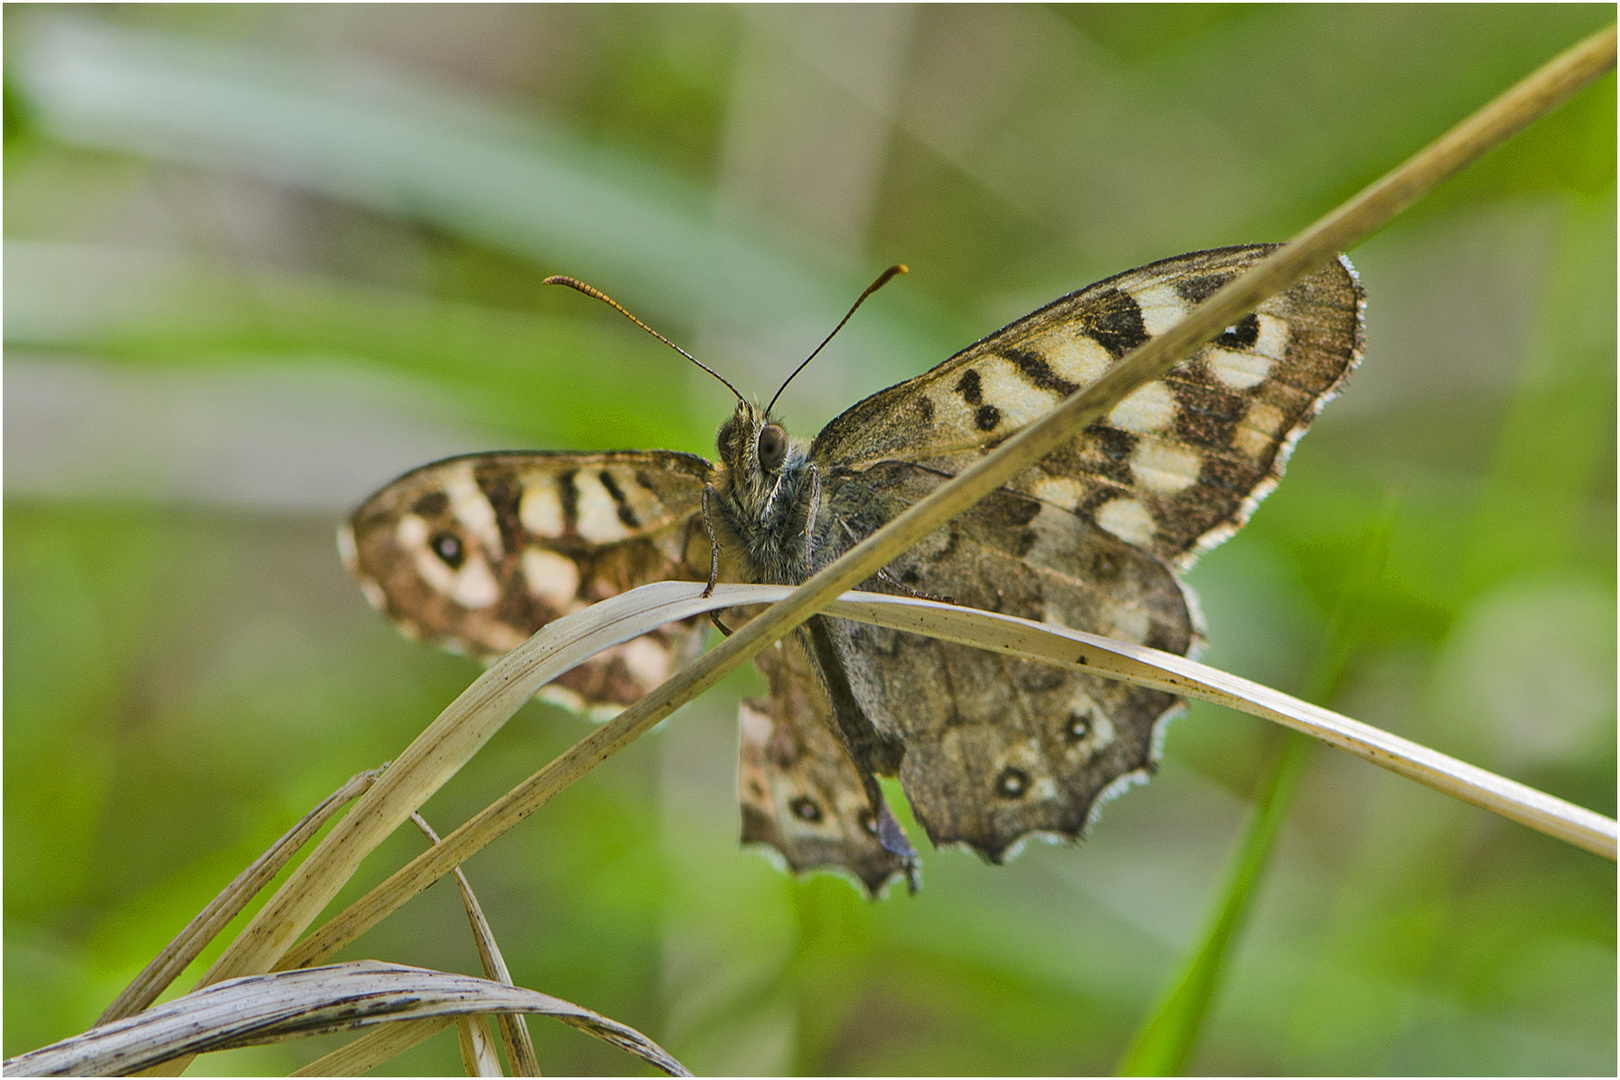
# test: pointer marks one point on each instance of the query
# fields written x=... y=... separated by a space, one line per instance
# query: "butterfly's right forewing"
x=477 y=553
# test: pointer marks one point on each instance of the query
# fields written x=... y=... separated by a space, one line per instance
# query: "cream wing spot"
x=502 y=638
x=472 y=584
x=1273 y=338
x=475 y=586
x=374 y=594
x=1162 y=307
x=1149 y=408
x=672 y=546
x=541 y=509
x=1060 y=491
x=598 y=519
x=550 y=577
x=644 y=505
x=1127 y=519
x=1074 y=356
x=647 y=660
x=1130 y=623
x=1258 y=431
x=756 y=726
x=1018 y=401
x=1165 y=468
x=411 y=533
x=347 y=551
x=1239 y=370
x=472 y=509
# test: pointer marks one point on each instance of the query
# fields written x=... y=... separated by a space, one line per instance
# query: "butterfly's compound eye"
x=773 y=447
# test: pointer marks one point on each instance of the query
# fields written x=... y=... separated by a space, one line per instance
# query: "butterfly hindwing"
x=800 y=791
x=997 y=748
x=476 y=553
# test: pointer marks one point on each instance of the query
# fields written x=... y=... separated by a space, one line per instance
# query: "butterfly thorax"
x=768 y=496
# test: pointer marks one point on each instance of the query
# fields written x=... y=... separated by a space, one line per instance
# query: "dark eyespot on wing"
x=987 y=417
x=1115 y=447
x=447 y=546
x=1011 y=783
x=1115 y=322
x=1241 y=334
x=1078 y=725
x=805 y=809
x=1115 y=444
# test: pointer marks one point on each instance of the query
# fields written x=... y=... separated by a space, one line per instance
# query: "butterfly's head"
x=757 y=454
x=752 y=441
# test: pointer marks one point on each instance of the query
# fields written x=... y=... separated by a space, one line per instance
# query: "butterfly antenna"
x=580 y=286
x=883 y=279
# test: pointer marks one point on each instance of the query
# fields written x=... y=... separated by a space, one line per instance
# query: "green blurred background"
x=259 y=260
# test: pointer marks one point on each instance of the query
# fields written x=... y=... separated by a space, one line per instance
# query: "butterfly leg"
x=714 y=542
x=810 y=516
x=714 y=560
x=887 y=578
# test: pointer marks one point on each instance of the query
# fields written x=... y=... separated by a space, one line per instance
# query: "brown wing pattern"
x=800 y=792
x=996 y=749
x=476 y=553
x=1181 y=463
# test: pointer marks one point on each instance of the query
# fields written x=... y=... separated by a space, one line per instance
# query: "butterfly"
x=475 y=553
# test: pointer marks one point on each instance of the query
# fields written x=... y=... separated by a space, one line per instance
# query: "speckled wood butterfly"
x=475 y=553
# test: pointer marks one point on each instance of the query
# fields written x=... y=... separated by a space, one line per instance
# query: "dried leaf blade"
x=260 y=1009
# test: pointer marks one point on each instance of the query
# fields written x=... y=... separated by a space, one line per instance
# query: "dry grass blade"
x=375 y=1047
x=477 y=1048
x=514 y=1028
x=431 y=759
x=293 y=1005
x=191 y=941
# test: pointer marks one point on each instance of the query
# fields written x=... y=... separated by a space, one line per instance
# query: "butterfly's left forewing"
x=477 y=553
